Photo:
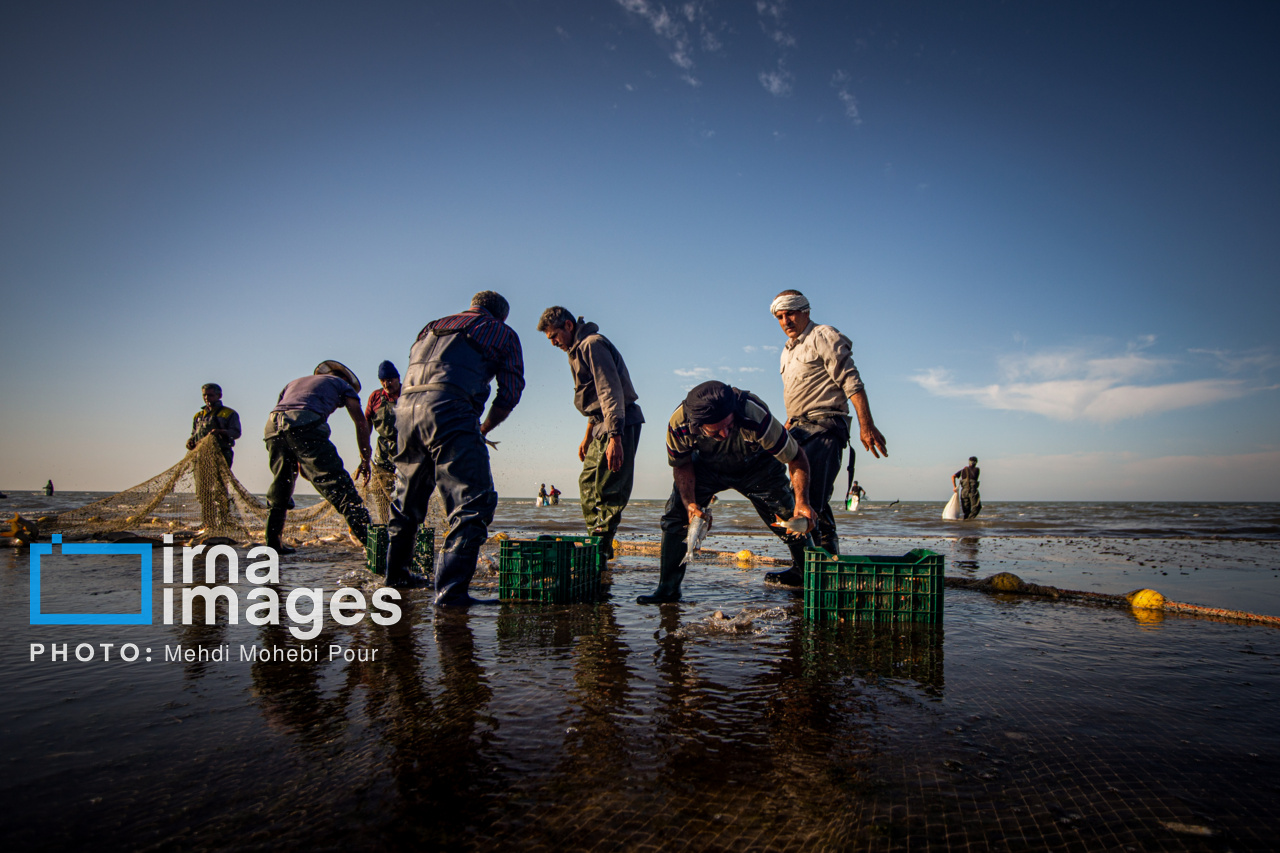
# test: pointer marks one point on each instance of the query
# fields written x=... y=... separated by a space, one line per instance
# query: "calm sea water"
x=724 y=722
x=916 y=519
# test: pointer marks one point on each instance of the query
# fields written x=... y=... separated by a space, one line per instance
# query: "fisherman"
x=297 y=437
x=819 y=380
x=215 y=419
x=442 y=440
x=380 y=412
x=48 y=489
x=722 y=438
x=603 y=393
x=970 y=501
x=856 y=491
x=555 y=495
x=543 y=499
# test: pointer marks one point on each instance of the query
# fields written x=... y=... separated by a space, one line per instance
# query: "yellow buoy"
x=305 y=528
x=1006 y=582
x=1145 y=599
x=745 y=555
x=501 y=537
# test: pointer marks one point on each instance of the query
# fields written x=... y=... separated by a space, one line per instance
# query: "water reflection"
x=964 y=555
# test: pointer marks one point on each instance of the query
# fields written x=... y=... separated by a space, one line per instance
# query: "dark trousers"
x=440 y=445
x=604 y=493
x=970 y=502
x=760 y=479
x=308 y=448
x=823 y=442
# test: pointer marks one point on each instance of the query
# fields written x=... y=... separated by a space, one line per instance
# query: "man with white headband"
x=819 y=380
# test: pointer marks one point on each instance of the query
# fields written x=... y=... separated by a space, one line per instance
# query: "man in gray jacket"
x=602 y=391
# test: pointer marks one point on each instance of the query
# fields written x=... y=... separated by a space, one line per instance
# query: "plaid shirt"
x=498 y=343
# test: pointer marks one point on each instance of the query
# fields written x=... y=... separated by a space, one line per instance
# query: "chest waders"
x=446 y=386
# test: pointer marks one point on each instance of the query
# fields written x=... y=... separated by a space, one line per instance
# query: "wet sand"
x=1021 y=724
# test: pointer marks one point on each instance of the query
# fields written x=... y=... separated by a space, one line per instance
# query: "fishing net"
x=200 y=498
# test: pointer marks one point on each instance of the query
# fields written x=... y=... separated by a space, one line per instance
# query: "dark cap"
x=973 y=459
x=709 y=403
x=386 y=371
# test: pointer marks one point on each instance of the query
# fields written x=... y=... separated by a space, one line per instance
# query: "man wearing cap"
x=603 y=393
x=819 y=380
x=722 y=438
x=297 y=437
x=381 y=414
x=442 y=440
x=970 y=501
x=215 y=419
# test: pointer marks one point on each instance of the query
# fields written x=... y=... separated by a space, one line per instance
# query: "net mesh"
x=199 y=497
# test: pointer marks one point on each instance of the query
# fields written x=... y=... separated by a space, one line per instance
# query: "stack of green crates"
x=550 y=569
x=876 y=589
x=424 y=550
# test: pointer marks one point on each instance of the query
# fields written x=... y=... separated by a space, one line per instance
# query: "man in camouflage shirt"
x=215 y=419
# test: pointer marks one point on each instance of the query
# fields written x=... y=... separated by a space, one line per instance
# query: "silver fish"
x=493 y=444
x=699 y=527
x=797 y=525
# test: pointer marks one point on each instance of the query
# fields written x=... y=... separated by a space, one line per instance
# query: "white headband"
x=789 y=302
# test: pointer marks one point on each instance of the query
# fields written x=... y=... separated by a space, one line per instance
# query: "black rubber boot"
x=453 y=580
x=793 y=576
x=275 y=529
x=668 y=591
x=399 y=558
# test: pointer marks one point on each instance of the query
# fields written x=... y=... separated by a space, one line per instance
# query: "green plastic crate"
x=424 y=550
x=550 y=569
x=876 y=589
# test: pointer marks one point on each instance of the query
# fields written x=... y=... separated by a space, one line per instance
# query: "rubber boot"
x=793 y=576
x=453 y=580
x=670 y=576
x=275 y=529
x=400 y=558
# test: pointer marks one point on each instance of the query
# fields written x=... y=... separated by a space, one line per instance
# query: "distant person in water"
x=542 y=495
x=970 y=502
x=48 y=488
x=604 y=395
x=555 y=495
x=856 y=491
x=216 y=420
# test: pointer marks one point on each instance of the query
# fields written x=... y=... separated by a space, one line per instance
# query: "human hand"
x=582 y=449
x=873 y=440
x=613 y=454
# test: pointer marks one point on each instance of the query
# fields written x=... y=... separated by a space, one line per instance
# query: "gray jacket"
x=601 y=385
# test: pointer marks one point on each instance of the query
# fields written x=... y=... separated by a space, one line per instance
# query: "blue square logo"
x=143 y=617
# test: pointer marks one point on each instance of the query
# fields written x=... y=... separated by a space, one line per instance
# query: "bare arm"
x=871 y=437
x=685 y=483
x=496 y=416
x=362 y=435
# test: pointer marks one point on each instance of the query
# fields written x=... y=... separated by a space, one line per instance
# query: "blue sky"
x=1049 y=230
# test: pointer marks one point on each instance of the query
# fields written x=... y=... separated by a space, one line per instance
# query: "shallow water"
x=1019 y=724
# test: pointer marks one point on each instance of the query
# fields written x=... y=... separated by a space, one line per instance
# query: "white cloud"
x=751 y=370
x=840 y=82
x=675 y=31
x=696 y=373
x=1070 y=385
x=749 y=349
x=777 y=83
